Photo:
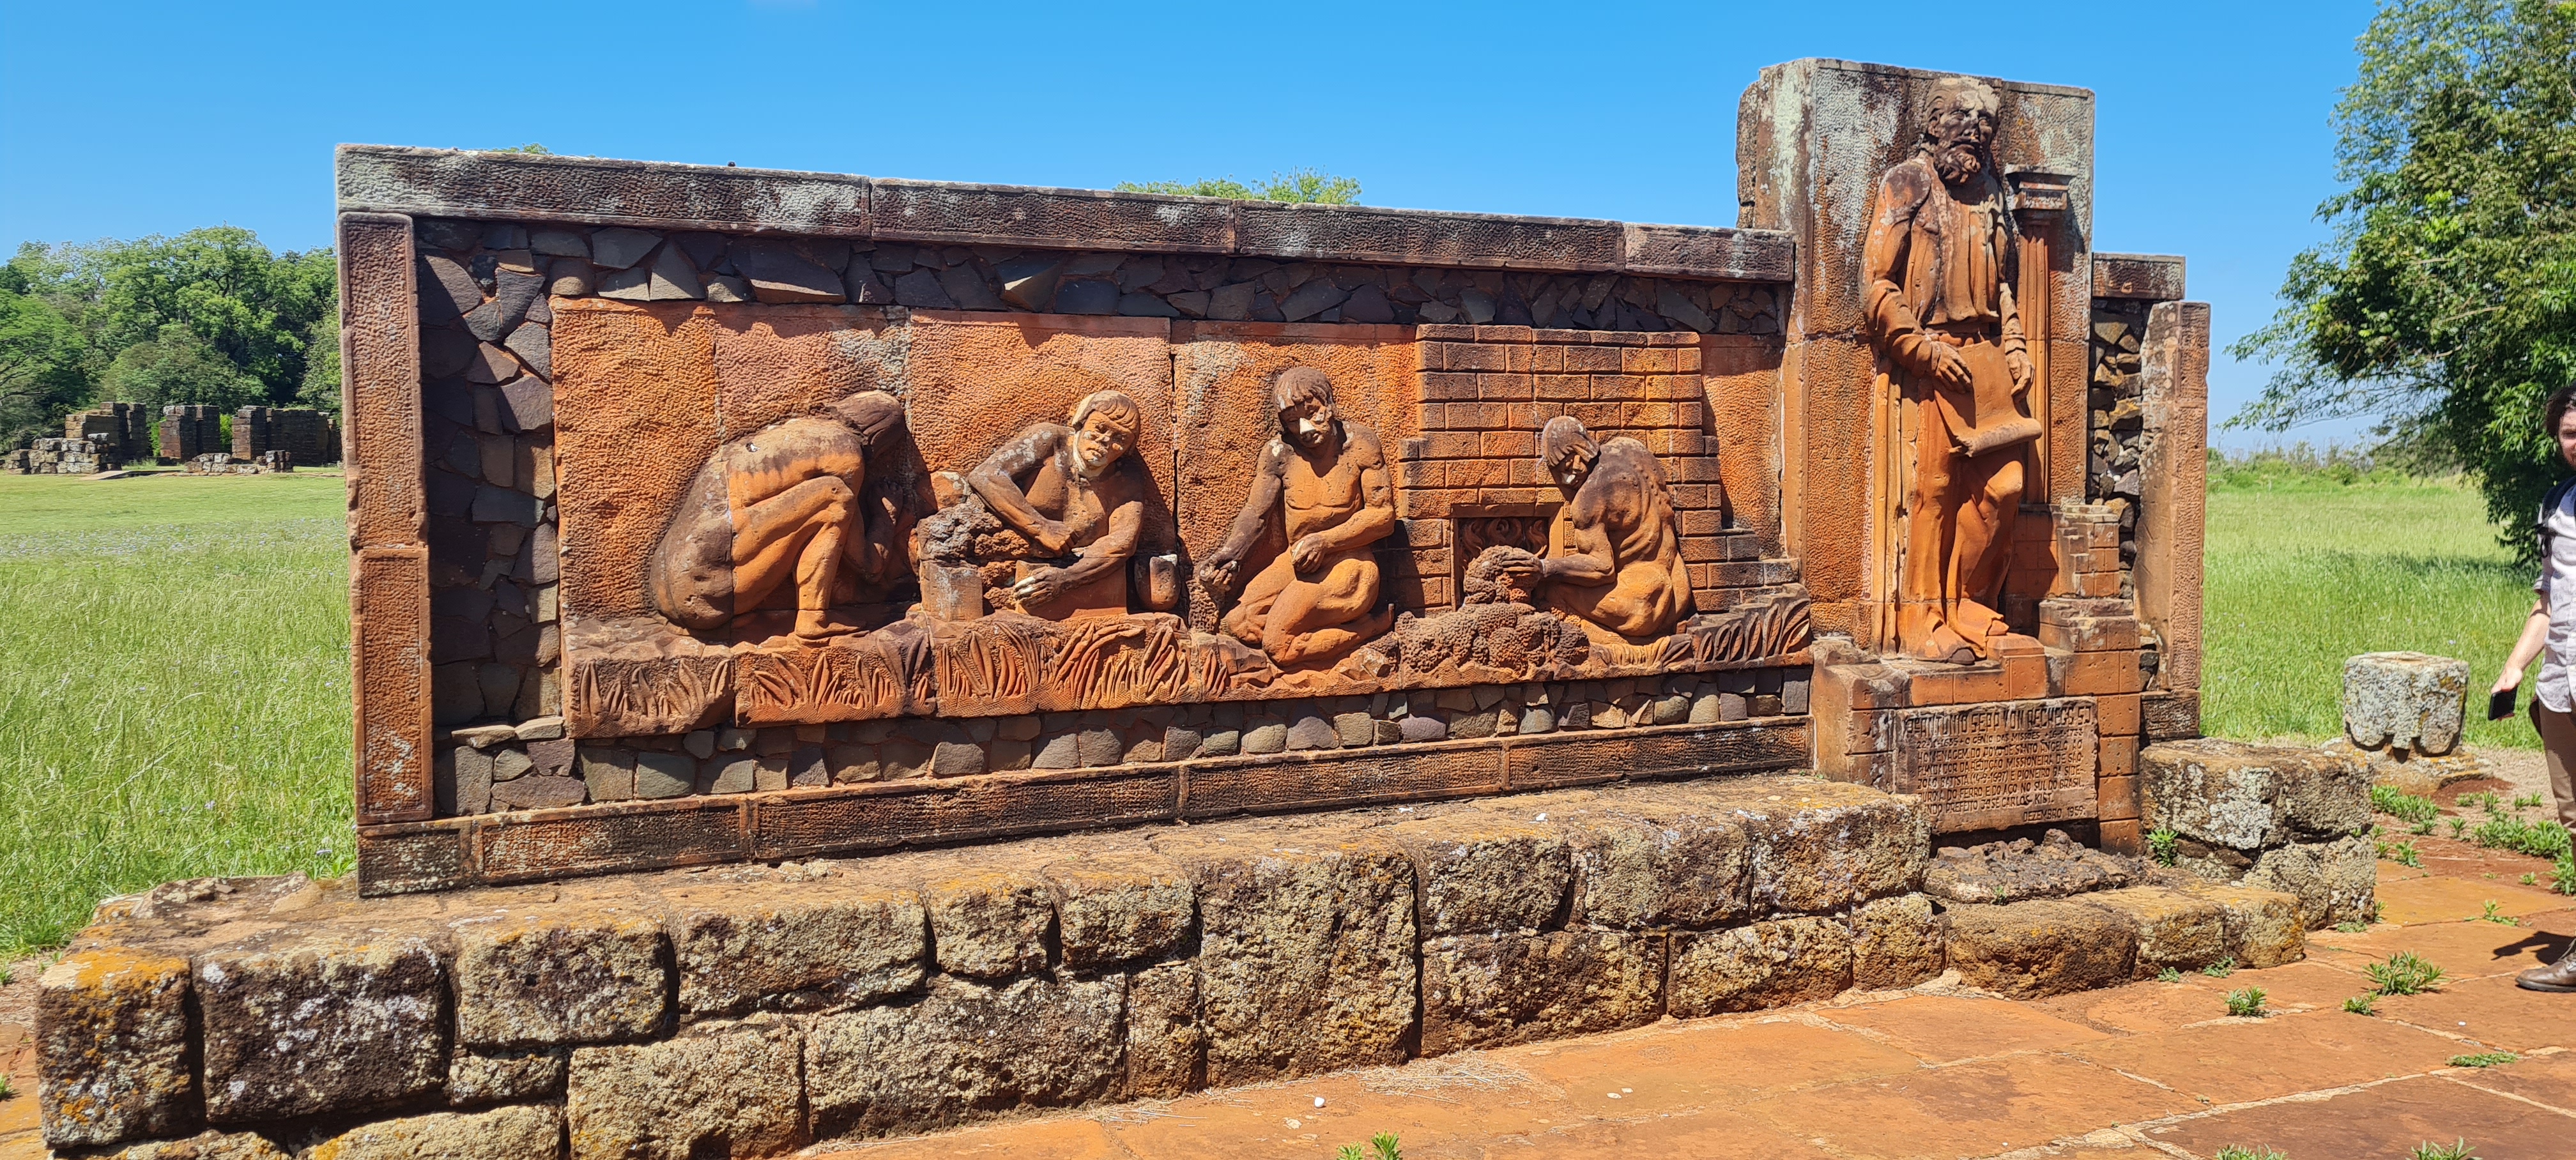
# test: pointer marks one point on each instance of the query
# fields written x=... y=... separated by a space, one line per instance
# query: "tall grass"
x=174 y=688
x=2311 y=563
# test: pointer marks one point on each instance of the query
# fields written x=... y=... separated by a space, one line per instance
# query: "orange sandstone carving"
x=1941 y=263
x=1047 y=523
x=1326 y=480
x=1613 y=557
x=782 y=510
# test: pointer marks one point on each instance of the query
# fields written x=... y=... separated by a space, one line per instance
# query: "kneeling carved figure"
x=1614 y=559
x=1325 y=480
x=1047 y=524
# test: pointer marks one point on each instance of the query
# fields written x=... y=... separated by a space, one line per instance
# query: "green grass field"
x=174 y=687
x=174 y=682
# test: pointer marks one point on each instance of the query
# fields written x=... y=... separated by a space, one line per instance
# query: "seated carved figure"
x=1326 y=482
x=1614 y=556
x=782 y=504
x=1054 y=515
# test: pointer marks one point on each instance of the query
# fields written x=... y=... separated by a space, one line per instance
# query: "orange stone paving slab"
x=1080 y=1138
x=2385 y=1121
x=1710 y=1135
x=1948 y=1028
x=2543 y=1079
x=1432 y=1105
x=2433 y=899
x=1688 y=1065
x=2491 y=1011
x=2464 y=950
x=2236 y=1061
x=1969 y=1109
x=2152 y=1006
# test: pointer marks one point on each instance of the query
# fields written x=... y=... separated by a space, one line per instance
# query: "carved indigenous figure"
x=1941 y=263
x=1062 y=507
x=1614 y=557
x=782 y=512
x=1326 y=482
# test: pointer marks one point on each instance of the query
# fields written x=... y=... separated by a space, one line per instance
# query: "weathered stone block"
x=1677 y=867
x=505 y=1076
x=964 y=1051
x=715 y=1089
x=2250 y=797
x=2333 y=881
x=802 y=948
x=112 y=1051
x=2044 y=947
x=205 y=1146
x=326 y=1023
x=1120 y=908
x=1763 y=965
x=1896 y=942
x=538 y=981
x=2174 y=928
x=517 y=1133
x=2263 y=926
x=1485 y=873
x=1493 y=990
x=1306 y=943
x=1815 y=846
x=1166 y=1046
x=990 y=924
x=2404 y=700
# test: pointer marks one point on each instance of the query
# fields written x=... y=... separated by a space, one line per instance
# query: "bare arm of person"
x=996 y=479
x=2526 y=649
x=1589 y=561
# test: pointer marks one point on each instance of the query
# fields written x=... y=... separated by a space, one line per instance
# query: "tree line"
x=211 y=316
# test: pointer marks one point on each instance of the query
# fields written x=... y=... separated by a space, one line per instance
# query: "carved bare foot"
x=1944 y=644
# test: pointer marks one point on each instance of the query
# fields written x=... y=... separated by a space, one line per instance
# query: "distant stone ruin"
x=191 y=435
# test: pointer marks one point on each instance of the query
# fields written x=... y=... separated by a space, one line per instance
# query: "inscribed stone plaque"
x=1989 y=766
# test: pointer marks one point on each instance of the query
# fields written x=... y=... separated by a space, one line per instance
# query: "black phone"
x=2500 y=705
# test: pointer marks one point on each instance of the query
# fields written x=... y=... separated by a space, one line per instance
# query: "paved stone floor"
x=2149 y=1070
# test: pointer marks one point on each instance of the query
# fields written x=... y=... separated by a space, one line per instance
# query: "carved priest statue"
x=1940 y=269
x=1324 y=479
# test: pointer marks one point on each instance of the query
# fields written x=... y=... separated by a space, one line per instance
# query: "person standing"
x=2549 y=634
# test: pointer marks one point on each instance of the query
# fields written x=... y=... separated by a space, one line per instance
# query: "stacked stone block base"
x=2278 y=818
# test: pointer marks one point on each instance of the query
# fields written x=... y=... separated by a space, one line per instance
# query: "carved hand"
x=2019 y=364
x=1217 y=575
x=1950 y=369
x=1307 y=552
x=1041 y=586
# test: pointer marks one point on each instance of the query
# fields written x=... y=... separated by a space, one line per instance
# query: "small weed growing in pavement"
x=2169 y=975
x=2405 y=973
x=2160 y=846
x=2375 y=909
x=2220 y=969
x=2456 y=1150
x=2541 y=839
x=1380 y=1147
x=5 y=1090
x=2459 y=826
x=2484 y=1059
x=2362 y=1004
x=2402 y=853
x=2002 y=895
x=2498 y=919
x=2531 y=880
x=2527 y=802
x=2562 y=876
x=2423 y=829
x=2351 y=926
x=2247 y=1003
x=2404 y=807
x=2233 y=1152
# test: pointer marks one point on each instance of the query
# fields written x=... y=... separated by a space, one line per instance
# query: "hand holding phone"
x=2499 y=704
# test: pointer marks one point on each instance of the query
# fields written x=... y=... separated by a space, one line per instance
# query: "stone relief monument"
x=1941 y=260
x=838 y=591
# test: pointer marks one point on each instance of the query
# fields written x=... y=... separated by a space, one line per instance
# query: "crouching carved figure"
x=1046 y=525
x=1325 y=480
x=1614 y=560
x=783 y=511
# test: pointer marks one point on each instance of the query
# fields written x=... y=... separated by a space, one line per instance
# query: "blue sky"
x=120 y=119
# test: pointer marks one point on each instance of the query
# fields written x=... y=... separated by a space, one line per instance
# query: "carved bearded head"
x=1105 y=424
x=1959 y=130
x=1567 y=450
x=1304 y=399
